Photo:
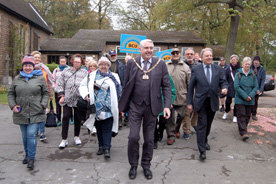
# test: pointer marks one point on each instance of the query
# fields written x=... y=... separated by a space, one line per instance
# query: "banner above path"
x=164 y=55
x=130 y=43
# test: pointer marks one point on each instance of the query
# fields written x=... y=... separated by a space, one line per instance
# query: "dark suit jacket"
x=158 y=77
x=202 y=88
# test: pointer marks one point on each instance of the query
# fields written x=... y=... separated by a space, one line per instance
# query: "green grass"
x=4 y=98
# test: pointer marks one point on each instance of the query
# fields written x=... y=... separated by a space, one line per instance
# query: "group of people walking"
x=156 y=95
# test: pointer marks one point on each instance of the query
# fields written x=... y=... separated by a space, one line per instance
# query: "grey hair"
x=141 y=45
x=190 y=48
x=204 y=50
x=246 y=59
x=89 y=58
x=234 y=55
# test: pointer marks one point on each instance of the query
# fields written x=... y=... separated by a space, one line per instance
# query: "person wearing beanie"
x=104 y=90
x=28 y=97
x=260 y=72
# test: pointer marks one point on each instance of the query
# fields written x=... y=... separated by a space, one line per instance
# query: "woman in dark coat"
x=28 y=98
x=230 y=73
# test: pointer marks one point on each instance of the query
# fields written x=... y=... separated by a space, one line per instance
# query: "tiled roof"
x=25 y=11
x=62 y=44
x=218 y=50
x=185 y=37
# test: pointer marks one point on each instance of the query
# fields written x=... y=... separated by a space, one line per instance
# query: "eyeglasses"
x=175 y=53
x=112 y=55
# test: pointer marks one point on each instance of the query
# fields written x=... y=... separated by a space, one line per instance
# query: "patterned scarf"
x=49 y=74
x=30 y=75
x=118 y=86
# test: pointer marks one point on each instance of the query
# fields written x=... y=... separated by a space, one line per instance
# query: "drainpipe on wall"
x=30 y=48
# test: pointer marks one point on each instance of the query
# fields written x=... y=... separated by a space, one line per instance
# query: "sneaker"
x=225 y=115
x=221 y=109
x=63 y=144
x=171 y=140
x=59 y=123
x=42 y=137
x=72 y=121
x=235 y=119
x=77 y=140
x=254 y=117
x=186 y=136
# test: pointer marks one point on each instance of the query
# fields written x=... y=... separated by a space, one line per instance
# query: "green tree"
x=68 y=16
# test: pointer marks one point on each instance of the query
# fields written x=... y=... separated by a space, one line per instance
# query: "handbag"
x=84 y=106
x=51 y=117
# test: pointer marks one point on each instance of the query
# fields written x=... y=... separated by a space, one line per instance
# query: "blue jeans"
x=104 y=132
x=42 y=127
x=29 y=137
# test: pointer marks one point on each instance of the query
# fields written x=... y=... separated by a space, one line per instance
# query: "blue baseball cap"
x=112 y=52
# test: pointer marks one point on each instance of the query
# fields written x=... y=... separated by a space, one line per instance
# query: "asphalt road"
x=230 y=159
x=268 y=99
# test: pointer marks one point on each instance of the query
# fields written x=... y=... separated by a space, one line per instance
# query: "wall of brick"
x=5 y=19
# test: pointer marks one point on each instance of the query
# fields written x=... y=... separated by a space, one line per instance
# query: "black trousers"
x=228 y=106
x=243 y=117
x=255 y=107
x=67 y=114
x=141 y=115
x=58 y=107
x=205 y=119
x=159 y=128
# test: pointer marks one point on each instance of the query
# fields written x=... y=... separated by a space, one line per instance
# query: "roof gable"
x=26 y=11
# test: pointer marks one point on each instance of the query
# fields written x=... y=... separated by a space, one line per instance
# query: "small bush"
x=52 y=66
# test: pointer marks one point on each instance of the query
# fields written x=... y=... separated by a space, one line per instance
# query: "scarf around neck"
x=111 y=76
x=30 y=75
x=62 y=67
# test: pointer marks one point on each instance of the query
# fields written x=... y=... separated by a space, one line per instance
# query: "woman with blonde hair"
x=49 y=80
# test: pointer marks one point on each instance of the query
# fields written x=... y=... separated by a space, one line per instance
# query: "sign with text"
x=164 y=55
x=130 y=43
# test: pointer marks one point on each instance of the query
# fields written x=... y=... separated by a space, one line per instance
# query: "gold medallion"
x=145 y=77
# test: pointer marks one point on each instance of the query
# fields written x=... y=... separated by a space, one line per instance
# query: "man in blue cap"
x=116 y=65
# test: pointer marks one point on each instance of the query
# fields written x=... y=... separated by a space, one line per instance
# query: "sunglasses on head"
x=175 y=53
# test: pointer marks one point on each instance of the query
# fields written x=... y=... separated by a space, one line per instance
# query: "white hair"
x=245 y=59
x=141 y=45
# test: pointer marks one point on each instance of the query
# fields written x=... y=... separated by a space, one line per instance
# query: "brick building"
x=94 y=43
x=22 y=30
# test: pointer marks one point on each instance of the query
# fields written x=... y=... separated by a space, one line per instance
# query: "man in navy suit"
x=141 y=97
x=205 y=81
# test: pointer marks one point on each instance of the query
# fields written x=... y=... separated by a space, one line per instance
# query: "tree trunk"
x=233 y=32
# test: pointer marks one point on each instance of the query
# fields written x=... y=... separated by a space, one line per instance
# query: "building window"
x=53 y=59
x=156 y=49
x=120 y=55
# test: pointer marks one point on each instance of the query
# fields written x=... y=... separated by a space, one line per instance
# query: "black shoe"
x=208 y=147
x=254 y=118
x=148 y=174
x=100 y=151
x=155 y=145
x=106 y=153
x=221 y=109
x=25 y=161
x=132 y=172
x=30 y=164
x=202 y=156
x=195 y=128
